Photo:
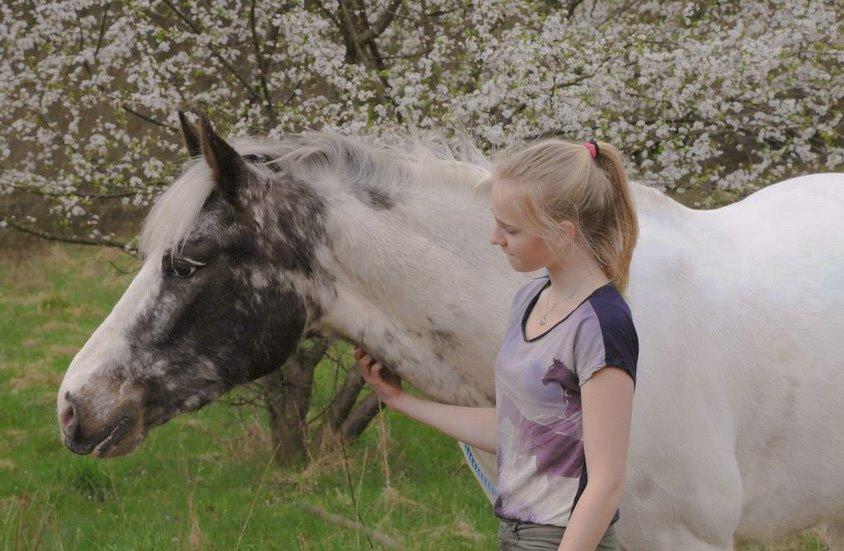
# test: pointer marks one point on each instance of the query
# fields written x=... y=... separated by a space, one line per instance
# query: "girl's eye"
x=510 y=232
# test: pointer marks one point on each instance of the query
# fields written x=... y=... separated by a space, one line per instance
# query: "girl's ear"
x=565 y=238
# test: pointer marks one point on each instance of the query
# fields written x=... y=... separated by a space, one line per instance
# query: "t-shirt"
x=541 y=461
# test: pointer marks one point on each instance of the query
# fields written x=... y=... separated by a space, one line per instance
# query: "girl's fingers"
x=365 y=365
x=369 y=368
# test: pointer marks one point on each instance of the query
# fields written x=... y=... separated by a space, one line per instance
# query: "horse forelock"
x=174 y=213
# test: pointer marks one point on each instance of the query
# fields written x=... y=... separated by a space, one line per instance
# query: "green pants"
x=515 y=535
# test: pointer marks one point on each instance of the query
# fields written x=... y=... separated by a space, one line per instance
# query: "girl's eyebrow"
x=503 y=222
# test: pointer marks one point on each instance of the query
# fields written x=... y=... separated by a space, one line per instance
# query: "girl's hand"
x=383 y=382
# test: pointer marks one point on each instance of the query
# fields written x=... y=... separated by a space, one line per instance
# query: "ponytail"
x=615 y=240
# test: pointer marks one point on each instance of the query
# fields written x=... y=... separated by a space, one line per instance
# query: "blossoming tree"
x=698 y=95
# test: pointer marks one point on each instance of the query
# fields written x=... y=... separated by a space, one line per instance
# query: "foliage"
x=698 y=95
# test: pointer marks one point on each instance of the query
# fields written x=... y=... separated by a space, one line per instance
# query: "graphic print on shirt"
x=541 y=462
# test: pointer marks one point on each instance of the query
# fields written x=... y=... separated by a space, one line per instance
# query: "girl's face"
x=526 y=251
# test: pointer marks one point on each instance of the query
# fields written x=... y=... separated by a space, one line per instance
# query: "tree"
x=705 y=96
x=698 y=95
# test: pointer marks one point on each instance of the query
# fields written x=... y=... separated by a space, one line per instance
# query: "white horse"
x=737 y=417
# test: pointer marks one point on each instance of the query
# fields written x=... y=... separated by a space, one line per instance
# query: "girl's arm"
x=476 y=426
x=607 y=402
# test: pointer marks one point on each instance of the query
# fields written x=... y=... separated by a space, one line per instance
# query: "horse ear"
x=228 y=167
x=189 y=136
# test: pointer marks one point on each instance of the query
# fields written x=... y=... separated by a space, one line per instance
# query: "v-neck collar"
x=532 y=302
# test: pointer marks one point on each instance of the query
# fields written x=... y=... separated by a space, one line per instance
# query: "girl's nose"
x=494 y=239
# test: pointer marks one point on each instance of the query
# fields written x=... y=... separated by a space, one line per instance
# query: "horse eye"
x=182 y=268
x=256 y=158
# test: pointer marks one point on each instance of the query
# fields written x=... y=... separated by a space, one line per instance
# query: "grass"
x=203 y=480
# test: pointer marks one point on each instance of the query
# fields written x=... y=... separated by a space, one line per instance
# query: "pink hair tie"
x=592 y=146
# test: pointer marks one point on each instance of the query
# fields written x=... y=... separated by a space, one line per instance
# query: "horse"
x=261 y=243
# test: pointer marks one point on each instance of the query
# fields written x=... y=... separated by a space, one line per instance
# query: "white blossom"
x=732 y=95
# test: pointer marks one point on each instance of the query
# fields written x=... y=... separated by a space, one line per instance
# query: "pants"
x=515 y=535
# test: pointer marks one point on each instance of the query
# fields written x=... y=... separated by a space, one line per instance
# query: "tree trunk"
x=287 y=395
x=359 y=418
x=344 y=400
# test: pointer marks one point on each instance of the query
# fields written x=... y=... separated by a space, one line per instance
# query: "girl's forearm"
x=591 y=518
x=476 y=426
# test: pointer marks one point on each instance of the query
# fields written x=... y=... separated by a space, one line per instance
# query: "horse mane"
x=416 y=158
x=358 y=160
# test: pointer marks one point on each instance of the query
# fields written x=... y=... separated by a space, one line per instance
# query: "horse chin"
x=123 y=439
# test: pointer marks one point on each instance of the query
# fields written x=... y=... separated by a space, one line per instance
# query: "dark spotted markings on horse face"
x=219 y=306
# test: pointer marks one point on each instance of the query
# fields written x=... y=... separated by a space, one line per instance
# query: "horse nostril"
x=68 y=420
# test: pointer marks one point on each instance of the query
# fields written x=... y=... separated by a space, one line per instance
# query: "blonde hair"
x=559 y=180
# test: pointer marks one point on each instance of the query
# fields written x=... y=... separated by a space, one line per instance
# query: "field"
x=203 y=480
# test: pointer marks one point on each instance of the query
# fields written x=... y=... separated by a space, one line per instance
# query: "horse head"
x=222 y=298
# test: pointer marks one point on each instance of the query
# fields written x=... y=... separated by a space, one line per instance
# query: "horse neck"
x=431 y=243
x=419 y=282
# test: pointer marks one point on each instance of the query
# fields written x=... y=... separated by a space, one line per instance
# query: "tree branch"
x=262 y=69
x=571 y=5
x=349 y=524
x=147 y=118
x=95 y=196
x=102 y=31
x=198 y=30
x=360 y=417
x=383 y=22
x=344 y=400
x=72 y=239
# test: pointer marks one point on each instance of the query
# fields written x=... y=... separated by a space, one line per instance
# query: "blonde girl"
x=561 y=422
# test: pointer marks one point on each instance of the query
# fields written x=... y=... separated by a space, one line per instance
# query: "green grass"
x=203 y=480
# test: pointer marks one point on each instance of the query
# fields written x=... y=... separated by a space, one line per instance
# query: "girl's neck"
x=575 y=277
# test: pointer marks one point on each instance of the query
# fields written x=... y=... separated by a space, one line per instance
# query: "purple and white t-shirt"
x=541 y=461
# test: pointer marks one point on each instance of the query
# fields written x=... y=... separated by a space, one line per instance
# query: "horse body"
x=739 y=397
x=736 y=310
x=735 y=317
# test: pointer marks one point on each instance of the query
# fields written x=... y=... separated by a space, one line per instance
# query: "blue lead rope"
x=481 y=476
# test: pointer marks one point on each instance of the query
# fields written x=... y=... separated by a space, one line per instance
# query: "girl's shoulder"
x=607 y=318
x=609 y=306
x=606 y=335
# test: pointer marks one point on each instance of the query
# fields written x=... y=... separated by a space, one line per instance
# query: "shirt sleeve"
x=606 y=339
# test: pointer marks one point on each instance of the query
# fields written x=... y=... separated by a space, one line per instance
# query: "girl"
x=559 y=414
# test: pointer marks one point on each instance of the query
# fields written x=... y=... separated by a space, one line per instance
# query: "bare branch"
x=94 y=196
x=326 y=13
x=81 y=40
x=66 y=239
x=147 y=118
x=344 y=522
